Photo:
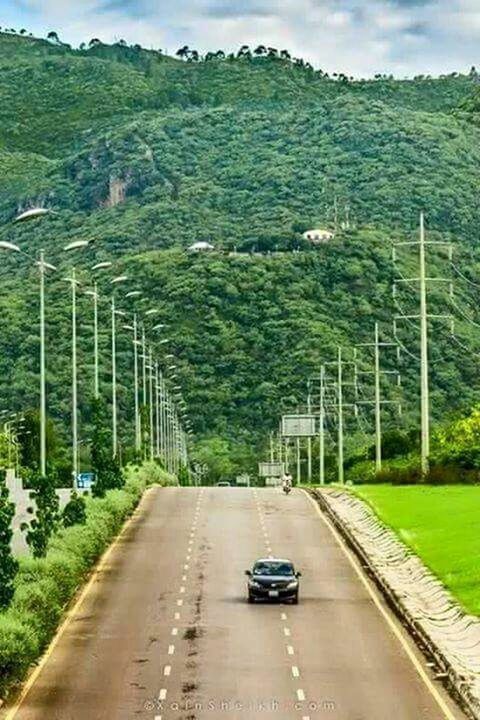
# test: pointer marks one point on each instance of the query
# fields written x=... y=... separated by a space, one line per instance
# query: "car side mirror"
x=298 y=574
x=248 y=572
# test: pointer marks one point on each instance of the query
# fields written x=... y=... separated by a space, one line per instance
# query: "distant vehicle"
x=224 y=483
x=273 y=579
x=287 y=489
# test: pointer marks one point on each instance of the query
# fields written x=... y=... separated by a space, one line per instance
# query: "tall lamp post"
x=75 y=245
x=115 y=281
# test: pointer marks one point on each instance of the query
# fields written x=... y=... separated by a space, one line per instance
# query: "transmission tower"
x=420 y=285
x=378 y=401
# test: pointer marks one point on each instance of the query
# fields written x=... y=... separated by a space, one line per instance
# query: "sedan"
x=272 y=579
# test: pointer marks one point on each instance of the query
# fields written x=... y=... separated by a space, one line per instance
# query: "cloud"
x=359 y=37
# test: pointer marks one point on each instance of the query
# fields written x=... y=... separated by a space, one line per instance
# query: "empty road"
x=165 y=632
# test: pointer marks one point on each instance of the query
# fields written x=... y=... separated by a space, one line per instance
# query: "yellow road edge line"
x=32 y=678
x=385 y=614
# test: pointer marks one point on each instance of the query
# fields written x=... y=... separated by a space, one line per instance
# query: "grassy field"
x=442 y=526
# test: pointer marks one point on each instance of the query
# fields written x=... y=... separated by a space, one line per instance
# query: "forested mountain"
x=144 y=154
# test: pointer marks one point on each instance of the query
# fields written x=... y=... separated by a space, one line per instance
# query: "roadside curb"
x=455 y=682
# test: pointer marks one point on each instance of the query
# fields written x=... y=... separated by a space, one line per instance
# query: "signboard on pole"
x=298 y=425
x=270 y=469
x=85 y=480
x=243 y=480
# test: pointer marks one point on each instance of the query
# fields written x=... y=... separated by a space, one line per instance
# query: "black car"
x=272 y=579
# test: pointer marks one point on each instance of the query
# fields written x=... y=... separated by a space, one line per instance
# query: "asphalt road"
x=165 y=632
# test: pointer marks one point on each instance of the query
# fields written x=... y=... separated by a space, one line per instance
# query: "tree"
x=8 y=564
x=183 y=52
x=53 y=36
x=260 y=50
x=45 y=511
x=108 y=474
x=215 y=453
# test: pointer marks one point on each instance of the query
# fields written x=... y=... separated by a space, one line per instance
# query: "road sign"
x=85 y=480
x=270 y=469
x=298 y=425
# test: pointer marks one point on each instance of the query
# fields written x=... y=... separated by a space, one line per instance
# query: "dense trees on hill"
x=143 y=154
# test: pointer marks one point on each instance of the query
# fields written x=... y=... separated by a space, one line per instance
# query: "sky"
x=357 y=37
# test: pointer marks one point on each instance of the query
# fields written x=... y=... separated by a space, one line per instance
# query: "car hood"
x=277 y=580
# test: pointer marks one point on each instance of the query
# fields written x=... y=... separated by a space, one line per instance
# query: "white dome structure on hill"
x=200 y=246
x=319 y=236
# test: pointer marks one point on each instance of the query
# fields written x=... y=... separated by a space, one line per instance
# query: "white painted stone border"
x=448 y=635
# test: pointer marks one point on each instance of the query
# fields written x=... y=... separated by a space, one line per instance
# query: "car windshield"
x=273 y=568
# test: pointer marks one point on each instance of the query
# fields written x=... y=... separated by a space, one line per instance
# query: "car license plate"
x=273 y=593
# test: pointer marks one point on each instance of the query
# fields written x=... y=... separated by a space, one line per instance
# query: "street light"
x=75 y=245
x=115 y=281
x=33 y=214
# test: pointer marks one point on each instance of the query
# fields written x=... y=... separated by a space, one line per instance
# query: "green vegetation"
x=144 y=154
x=44 y=586
x=440 y=524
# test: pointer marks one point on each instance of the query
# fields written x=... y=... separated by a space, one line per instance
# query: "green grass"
x=442 y=526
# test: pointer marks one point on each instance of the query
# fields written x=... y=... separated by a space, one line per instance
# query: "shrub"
x=74 y=512
x=43 y=586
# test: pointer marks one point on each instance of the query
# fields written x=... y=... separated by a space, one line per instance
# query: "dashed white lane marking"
x=185 y=567
x=286 y=631
x=167 y=670
x=184 y=577
x=306 y=717
x=182 y=589
x=157 y=717
x=179 y=603
x=284 y=616
x=290 y=650
x=188 y=557
x=176 y=616
x=175 y=631
x=162 y=694
x=295 y=671
x=171 y=649
x=300 y=695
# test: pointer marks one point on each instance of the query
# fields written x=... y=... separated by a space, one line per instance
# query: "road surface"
x=165 y=632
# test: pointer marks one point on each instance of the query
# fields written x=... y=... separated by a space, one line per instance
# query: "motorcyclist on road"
x=287 y=482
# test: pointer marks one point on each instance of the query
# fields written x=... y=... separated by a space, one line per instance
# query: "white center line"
x=162 y=694
x=295 y=671
x=174 y=631
x=182 y=589
x=290 y=650
x=167 y=670
x=286 y=631
x=300 y=695
x=284 y=616
x=176 y=616
x=180 y=603
x=171 y=649
x=185 y=567
x=184 y=577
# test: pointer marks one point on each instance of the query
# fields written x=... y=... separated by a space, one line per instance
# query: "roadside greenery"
x=8 y=564
x=43 y=586
x=440 y=524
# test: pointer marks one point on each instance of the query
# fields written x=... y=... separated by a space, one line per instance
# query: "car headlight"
x=292 y=585
x=254 y=583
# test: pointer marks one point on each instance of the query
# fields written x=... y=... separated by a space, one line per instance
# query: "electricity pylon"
x=378 y=401
x=422 y=281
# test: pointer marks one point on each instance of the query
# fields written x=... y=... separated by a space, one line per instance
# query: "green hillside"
x=144 y=154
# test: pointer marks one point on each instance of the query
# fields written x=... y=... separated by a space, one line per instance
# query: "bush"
x=74 y=512
x=43 y=586
x=151 y=473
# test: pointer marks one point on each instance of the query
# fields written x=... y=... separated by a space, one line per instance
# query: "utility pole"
x=138 y=432
x=43 y=409
x=271 y=448
x=377 y=402
x=114 y=380
x=309 y=439
x=74 y=381
x=422 y=281
x=150 y=396
x=340 y=416
x=299 y=467
x=321 y=431
x=425 y=403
